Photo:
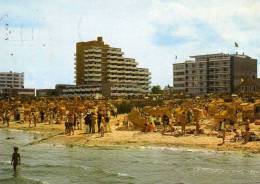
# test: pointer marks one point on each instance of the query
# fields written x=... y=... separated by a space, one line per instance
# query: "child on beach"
x=16 y=159
x=6 y=118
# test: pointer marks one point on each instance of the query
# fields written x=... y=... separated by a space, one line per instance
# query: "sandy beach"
x=53 y=134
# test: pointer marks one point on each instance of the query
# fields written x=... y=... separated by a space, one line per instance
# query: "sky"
x=38 y=37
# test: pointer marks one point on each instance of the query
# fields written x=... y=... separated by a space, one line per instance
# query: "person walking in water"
x=16 y=159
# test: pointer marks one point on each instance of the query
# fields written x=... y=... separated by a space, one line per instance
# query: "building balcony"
x=124 y=89
x=115 y=62
x=114 y=57
x=93 y=80
x=96 y=50
x=110 y=66
x=93 y=55
x=116 y=71
x=142 y=82
x=92 y=65
x=115 y=51
x=92 y=74
x=92 y=70
x=92 y=60
x=115 y=76
x=218 y=66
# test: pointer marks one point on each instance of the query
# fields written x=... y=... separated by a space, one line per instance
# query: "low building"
x=108 y=90
x=45 y=92
x=79 y=90
x=248 y=85
x=12 y=92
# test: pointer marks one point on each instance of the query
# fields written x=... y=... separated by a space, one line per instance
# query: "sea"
x=58 y=164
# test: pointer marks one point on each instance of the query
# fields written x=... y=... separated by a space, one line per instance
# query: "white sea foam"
x=37 y=180
x=14 y=130
x=122 y=174
x=178 y=149
x=211 y=170
x=84 y=167
x=7 y=162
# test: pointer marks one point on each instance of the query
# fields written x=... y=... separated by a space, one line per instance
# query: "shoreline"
x=128 y=138
x=53 y=134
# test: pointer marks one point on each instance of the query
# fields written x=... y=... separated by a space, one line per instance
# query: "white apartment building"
x=11 y=80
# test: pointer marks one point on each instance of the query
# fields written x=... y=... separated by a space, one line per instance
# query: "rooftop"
x=220 y=55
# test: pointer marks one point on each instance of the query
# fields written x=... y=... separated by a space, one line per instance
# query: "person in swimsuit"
x=16 y=159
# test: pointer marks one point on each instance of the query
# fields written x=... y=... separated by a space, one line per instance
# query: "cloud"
x=168 y=36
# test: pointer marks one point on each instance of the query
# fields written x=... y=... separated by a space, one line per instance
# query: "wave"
x=123 y=174
x=178 y=149
x=43 y=165
x=211 y=170
x=85 y=168
x=21 y=180
x=12 y=130
x=5 y=162
x=218 y=170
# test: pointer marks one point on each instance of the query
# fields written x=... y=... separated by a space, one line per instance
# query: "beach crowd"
x=215 y=117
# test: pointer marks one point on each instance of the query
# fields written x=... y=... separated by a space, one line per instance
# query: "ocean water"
x=57 y=164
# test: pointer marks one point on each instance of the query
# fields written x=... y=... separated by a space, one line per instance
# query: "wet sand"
x=53 y=134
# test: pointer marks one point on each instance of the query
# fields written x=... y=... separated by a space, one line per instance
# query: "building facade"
x=11 y=80
x=248 y=86
x=14 y=92
x=90 y=90
x=98 y=64
x=45 y=92
x=213 y=73
x=12 y=85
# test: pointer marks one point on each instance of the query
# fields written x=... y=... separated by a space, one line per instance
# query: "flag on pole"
x=236 y=44
x=176 y=57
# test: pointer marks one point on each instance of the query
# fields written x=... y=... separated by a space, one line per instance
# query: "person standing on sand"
x=42 y=116
x=34 y=118
x=247 y=124
x=81 y=120
x=30 y=119
x=16 y=159
x=99 y=120
x=223 y=131
x=75 y=117
x=183 y=123
x=88 y=120
x=93 y=122
x=90 y=117
x=115 y=112
x=165 y=121
x=6 y=118
x=197 y=128
x=189 y=116
x=103 y=126
x=107 y=119
x=70 y=123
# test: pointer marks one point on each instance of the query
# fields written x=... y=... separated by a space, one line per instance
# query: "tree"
x=156 y=89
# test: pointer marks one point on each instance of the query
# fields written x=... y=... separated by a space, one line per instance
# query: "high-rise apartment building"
x=213 y=73
x=105 y=68
x=11 y=80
